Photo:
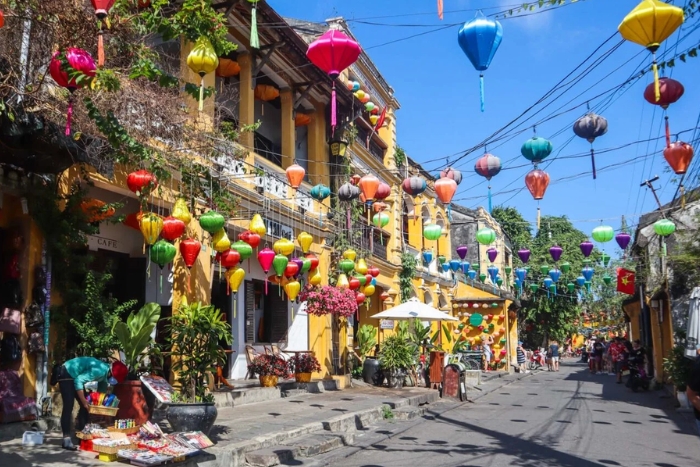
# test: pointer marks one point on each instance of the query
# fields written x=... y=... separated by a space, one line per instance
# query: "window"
x=266 y=315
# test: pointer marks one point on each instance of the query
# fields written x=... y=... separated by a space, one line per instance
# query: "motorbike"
x=637 y=377
x=536 y=360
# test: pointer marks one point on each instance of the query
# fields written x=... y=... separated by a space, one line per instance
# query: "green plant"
x=397 y=353
x=399 y=156
x=678 y=367
x=366 y=339
x=134 y=336
x=406 y=275
x=387 y=413
x=304 y=363
x=420 y=333
x=194 y=335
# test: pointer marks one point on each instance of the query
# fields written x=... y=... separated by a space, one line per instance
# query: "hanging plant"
x=324 y=300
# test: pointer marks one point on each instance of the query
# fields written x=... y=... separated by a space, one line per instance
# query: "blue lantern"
x=472 y=274
x=555 y=274
x=493 y=273
x=374 y=281
x=445 y=266
x=479 y=40
x=320 y=192
x=454 y=265
x=465 y=267
x=580 y=280
x=427 y=256
x=521 y=274
x=547 y=282
x=587 y=273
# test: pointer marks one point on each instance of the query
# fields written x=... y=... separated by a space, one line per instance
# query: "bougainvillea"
x=323 y=300
x=269 y=365
x=304 y=363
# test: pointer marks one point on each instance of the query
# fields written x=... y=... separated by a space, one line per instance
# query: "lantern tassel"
x=333 y=109
x=682 y=197
x=201 y=95
x=538 y=218
x=100 y=49
x=490 y=208
x=266 y=283
x=235 y=300
x=593 y=162
x=668 y=132
x=349 y=222
x=440 y=9
x=69 y=114
x=254 y=39
x=657 y=86
x=481 y=91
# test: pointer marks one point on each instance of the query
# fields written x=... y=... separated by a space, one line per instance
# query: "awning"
x=414 y=309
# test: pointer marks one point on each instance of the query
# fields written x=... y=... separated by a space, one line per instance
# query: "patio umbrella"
x=693 y=331
x=414 y=309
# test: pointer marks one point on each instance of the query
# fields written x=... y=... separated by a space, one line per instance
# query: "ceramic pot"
x=302 y=377
x=395 y=378
x=192 y=417
x=268 y=381
x=370 y=371
x=132 y=402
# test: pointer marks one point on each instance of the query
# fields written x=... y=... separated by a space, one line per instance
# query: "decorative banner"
x=625 y=281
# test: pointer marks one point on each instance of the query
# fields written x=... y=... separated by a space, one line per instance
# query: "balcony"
x=377 y=246
x=363 y=134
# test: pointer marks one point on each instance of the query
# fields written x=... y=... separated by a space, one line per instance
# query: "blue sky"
x=439 y=94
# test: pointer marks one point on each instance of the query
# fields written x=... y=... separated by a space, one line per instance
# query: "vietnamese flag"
x=380 y=120
x=625 y=281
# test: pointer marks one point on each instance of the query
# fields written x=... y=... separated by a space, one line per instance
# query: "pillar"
x=318 y=147
x=288 y=129
x=246 y=106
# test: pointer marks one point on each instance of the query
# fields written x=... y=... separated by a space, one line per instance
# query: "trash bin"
x=453 y=382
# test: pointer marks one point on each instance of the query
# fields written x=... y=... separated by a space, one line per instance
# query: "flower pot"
x=268 y=381
x=302 y=377
x=395 y=378
x=132 y=402
x=192 y=417
x=370 y=371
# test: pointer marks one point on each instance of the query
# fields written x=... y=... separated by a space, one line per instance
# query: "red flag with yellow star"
x=625 y=281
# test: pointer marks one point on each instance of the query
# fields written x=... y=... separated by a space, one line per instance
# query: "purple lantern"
x=299 y=263
x=623 y=239
x=524 y=255
x=462 y=251
x=556 y=252
x=586 y=248
x=492 y=253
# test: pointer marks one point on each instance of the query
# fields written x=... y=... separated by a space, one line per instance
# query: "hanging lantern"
x=369 y=290
x=251 y=238
x=587 y=273
x=79 y=61
x=369 y=106
x=580 y=281
x=485 y=236
x=373 y=119
x=427 y=256
x=354 y=283
x=133 y=220
x=234 y=279
x=524 y=255
x=379 y=206
x=292 y=268
x=180 y=211
x=570 y=287
x=96 y=210
x=492 y=253
x=162 y=253
x=454 y=174
x=266 y=92
x=348 y=192
x=227 y=68
x=314 y=260
x=455 y=264
x=442 y=259
x=554 y=274
x=189 y=249
x=590 y=127
x=586 y=248
x=383 y=191
x=279 y=264
x=664 y=227
x=373 y=271
x=102 y=8
x=488 y=166
x=603 y=233
x=292 y=289
x=432 y=231
x=462 y=251
x=2 y=19
x=679 y=155
x=228 y=259
x=283 y=246
x=295 y=175
x=605 y=259
x=555 y=252
x=565 y=267
x=257 y=225
x=369 y=184
x=151 y=226
x=315 y=277
x=346 y=265
x=350 y=254
x=384 y=296
x=648 y=24
x=670 y=91
x=365 y=98
x=415 y=185
x=445 y=189
x=360 y=298
x=173 y=228
x=333 y=52
x=380 y=220
x=305 y=241
x=142 y=182
x=305 y=265
x=320 y=192
x=464 y=266
x=536 y=149
x=353 y=86
x=202 y=60
x=245 y=250
x=302 y=119
x=479 y=40
x=212 y=222
x=361 y=267
x=342 y=282
x=623 y=239
x=220 y=241
x=537 y=181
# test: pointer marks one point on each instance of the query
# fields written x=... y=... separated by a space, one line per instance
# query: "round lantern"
x=670 y=92
x=227 y=68
x=305 y=241
x=202 y=60
x=292 y=269
x=369 y=290
x=142 y=182
x=251 y=238
x=536 y=149
x=664 y=227
x=679 y=155
x=383 y=191
x=283 y=246
x=485 y=236
x=348 y=192
x=234 y=279
x=228 y=259
x=346 y=265
x=350 y=254
x=314 y=260
x=476 y=319
x=295 y=175
x=373 y=271
x=302 y=119
x=360 y=298
x=279 y=264
x=181 y=211
x=380 y=220
x=245 y=250
x=133 y=220
x=373 y=119
x=445 y=189
x=537 y=181
x=342 y=282
x=292 y=289
x=162 y=253
x=96 y=210
x=603 y=233
x=173 y=228
x=454 y=174
x=79 y=61
x=220 y=241
x=212 y=222
x=320 y=192
x=369 y=184
x=415 y=185
x=189 y=249
x=151 y=226
x=432 y=231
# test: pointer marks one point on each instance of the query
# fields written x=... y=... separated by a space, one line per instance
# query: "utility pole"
x=648 y=184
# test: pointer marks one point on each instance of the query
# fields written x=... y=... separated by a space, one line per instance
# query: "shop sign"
x=102 y=243
x=277 y=230
x=386 y=324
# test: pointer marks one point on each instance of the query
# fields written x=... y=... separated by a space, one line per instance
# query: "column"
x=246 y=106
x=288 y=129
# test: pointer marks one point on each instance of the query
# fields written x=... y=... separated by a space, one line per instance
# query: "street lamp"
x=338 y=147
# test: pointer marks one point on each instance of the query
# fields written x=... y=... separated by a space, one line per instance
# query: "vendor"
x=73 y=377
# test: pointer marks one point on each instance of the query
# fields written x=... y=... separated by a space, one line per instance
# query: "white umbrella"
x=693 y=331
x=414 y=309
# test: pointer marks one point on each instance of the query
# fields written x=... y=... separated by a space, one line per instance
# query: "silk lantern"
x=173 y=228
x=414 y=186
x=670 y=91
x=432 y=231
x=202 y=60
x=586 y=248
x=679 y=155
x=79 y=61
x=212 y=222
x=485 y=236
x=369 y=290
x=348 y=192
x=189 y=249
x=452 y=173
x=555 y=252
x=133 y=220
x=524 y=255
x=383 y=191
x=234 y=279
x=380 y=220
x=227 y=68
x=292 y=269
x=279 y=264
x=361 y=266
x=96 y=210
x=342 y=282
x=360 y=298
x=346 y=265
x=251 y=238
x=536 y=149
x=151 y=225
x=283 y=246
x=445 y=189
x=462 y=251
x=305 y=241
x=333 y=52
x=488 y=166
x=257 y=225
x=245 y=250
x=350 y=254
x=373 y=271
x=492 y=253
x=162 y=253
x=320 y=192
x=292 y=289
x=314 y=260
x=603 y=233
x=369 y=184
x=143 y=182
x=102 y=8
x=315 y=277
x=265 y=258
x=590 y=127
x=181 y=211
x=228 y=259
x=623 y=239
x=220 y=241
x=537 y=181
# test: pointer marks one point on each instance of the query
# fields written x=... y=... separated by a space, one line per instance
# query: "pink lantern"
x=80 y=61
x=265 y=257
x=333 y=52
x=503 y=352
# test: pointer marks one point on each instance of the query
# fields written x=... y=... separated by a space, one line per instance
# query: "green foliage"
x=195 y=332
x=409 y=265
x=399 y=156
x=366 y=339
x=134 y=335
x=97 y=315
x=387 y=413
x=420 y=333
x=397 y=353
x=514 y=225
x=678 y=367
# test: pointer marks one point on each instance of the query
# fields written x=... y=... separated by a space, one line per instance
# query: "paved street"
x=570 y=418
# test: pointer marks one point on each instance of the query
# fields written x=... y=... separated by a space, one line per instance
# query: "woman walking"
x=520 y=352
x=554 y=352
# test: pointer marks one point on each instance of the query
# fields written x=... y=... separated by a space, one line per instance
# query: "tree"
x=514 y=225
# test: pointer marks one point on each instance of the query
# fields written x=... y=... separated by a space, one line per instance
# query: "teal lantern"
x=536 y=149
x=346 y=265
x=432 y=231
x=485 y=236
x=212 y=222
x=603 y=233
x=320 y=192
x=664 y=227
x=381 y=219
x=163 y=252
x=476 y=319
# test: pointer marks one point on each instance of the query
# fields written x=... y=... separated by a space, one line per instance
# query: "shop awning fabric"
x=414 y=309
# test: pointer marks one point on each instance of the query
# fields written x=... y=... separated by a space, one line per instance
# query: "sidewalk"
x=309 y=423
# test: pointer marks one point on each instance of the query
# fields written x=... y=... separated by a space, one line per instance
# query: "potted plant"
x=396 y=356
x=194 y=335
x=678 y=367
x=366 y=342
x=134 y=337
x=269 y=369
x=303 y=366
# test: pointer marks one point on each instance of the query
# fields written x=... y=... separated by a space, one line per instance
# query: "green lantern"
x=381 y=219
x=553 y=288
x=586 y=262
x=544 y=269
x=565 y=267
x=442 y=259
x=485 y=236
x=664 y=227
x=362 y=279
x=432 y=231
x=607 y=279
x=536 y=149
x=482 y=277
x=212 y=222
x=305 y=265
x=588 y=285
x=571 y=287
x=163 y=252
x=603 y=233
x=346 y=265
x=476 y=319
x=243 y=249
x=605 y=258
x=279 y=264
x=508 y=270
x=534 y=287
x=499 y=281
x=528 y=269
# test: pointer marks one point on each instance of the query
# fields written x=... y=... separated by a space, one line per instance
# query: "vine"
x=399 y=156
x=409 y=265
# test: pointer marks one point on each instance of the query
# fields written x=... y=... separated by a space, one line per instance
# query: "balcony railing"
x=377 y=245
x=375 y=149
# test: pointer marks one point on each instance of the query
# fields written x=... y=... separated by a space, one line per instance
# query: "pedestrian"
x=73 y=376
x=598 y=350
x=618 y=352
x=554 y=351
x=520 y=352
x=693 y=389
x=488 y=354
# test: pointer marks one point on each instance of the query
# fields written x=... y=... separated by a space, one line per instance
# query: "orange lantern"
x=266 y=92
x=369 y=184
x=679 y=155
x=295 y=174
x=302 y=119
x=95 y=210
x=355 y=179
x=445 y=189
x=379 y=206
x=227 y=68
x=537 y=181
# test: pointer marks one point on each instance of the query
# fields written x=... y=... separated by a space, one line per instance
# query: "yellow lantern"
x=305 y=240
x=292 y=289
x=180 y=211
x=373 y=119
x=257 y=225
x=368 y=290
x=234 y=278
x=343 y=282
x=360 y=94
x=649 y=24
x=283 y=246
x=350 y=254
x=220 y=241
x=361 y=266
x=315 y=277
x=202 y=60
x=151 y=225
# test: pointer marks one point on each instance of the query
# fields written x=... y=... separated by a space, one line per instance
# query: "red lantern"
x=143 y=4
x=291 y=270
x=489 y=317
x=189 y=249
x=360 y=298
x=383 y=191
x=445 y=189
x=354 y=283
x=670 y=89
x=80 y=61
x=295 y=174
x=133 y=220
x=537 y=181
x=229 y=258
x=373 y=271
x=102 y=8
x=314 y=260
x=379 y=206
x=137 y=181
x=173 y=228
x=679 y=155
x=333 y=52
x=251 y=238
x=2 y=19
x=369 y=184
x=368 y=278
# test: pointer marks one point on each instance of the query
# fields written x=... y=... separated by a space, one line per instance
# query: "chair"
x=278 y=353
x=250 y=354
x=268 y=350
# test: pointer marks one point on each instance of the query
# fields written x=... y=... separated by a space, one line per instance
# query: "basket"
x=102 y=410
x=111 y=449
x=126 y=431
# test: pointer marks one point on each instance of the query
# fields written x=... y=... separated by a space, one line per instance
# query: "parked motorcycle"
x=637 y=378
x=536 y=360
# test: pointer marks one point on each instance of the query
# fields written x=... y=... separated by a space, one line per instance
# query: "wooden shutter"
x=249 y=312
x=278 y=313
